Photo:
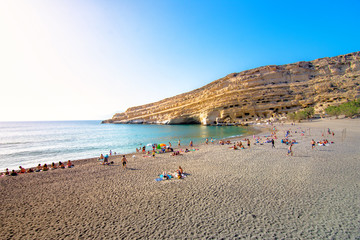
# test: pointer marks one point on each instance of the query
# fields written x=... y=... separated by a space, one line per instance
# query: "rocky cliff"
x=258 y=94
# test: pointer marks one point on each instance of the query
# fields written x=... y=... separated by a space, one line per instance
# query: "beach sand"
x=256 y=193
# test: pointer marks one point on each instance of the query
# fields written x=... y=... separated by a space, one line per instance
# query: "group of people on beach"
x=179 y=174
x=39 y=168
x=105 y=160
x=163 y=148
x=271 y=139
x=238 y=145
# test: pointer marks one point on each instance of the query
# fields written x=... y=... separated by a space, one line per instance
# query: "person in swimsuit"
x=38 y=168
x=179 y=172
x=45 y=167
x=312 y=144
x=69 y=164
x=106 y=159
x=124 y=161
x=53 y=166
x=61 y=165
x=22 y=170
x=290 y=152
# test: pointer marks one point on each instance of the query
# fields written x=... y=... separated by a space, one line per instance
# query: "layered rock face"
x=263 y=93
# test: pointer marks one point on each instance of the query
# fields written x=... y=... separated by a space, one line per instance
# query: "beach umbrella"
x=149 y=145
x=162 y=145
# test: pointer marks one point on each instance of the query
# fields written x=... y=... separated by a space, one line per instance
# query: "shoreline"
x=232 y=194
x=251 y=130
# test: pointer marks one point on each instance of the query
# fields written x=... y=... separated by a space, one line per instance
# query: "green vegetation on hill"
x=301 y=115
x=349 y=109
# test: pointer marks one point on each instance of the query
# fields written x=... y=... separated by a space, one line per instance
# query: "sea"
x=27 y=144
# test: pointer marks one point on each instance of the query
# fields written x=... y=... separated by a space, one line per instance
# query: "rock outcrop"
x=258 y=94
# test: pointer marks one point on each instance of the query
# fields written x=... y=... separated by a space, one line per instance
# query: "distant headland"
x=260 y=94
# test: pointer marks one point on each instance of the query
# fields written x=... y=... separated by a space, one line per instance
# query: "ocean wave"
x=13 y=143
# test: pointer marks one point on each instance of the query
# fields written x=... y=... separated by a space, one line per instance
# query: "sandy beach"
x=256 y=193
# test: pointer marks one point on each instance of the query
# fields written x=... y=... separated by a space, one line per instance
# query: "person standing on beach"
x=124 y=161
x=212 y=140
x=179 y=143
x=290 y=150
x=191 y=143
x=248 y=143
x=312 y=144
x=272 y=143
x=207 y=141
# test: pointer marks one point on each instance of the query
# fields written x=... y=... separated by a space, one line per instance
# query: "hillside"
x=258 y=94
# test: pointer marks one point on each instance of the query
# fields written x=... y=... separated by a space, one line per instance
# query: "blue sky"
x=83 y=59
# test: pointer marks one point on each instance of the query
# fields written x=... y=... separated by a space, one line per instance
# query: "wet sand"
x=256 y=193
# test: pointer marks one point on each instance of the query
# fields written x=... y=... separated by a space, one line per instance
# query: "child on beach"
x=124 y=161
x=290 y=150
x=312 y=144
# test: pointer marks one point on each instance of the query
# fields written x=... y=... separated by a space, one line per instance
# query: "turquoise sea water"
x=30 y=143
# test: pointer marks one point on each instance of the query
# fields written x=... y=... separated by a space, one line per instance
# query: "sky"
x=89 y=59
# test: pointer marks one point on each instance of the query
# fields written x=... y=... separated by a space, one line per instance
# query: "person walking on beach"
x=272 y=143
x=124 y=161
x=248 y=143
x=290 y=150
